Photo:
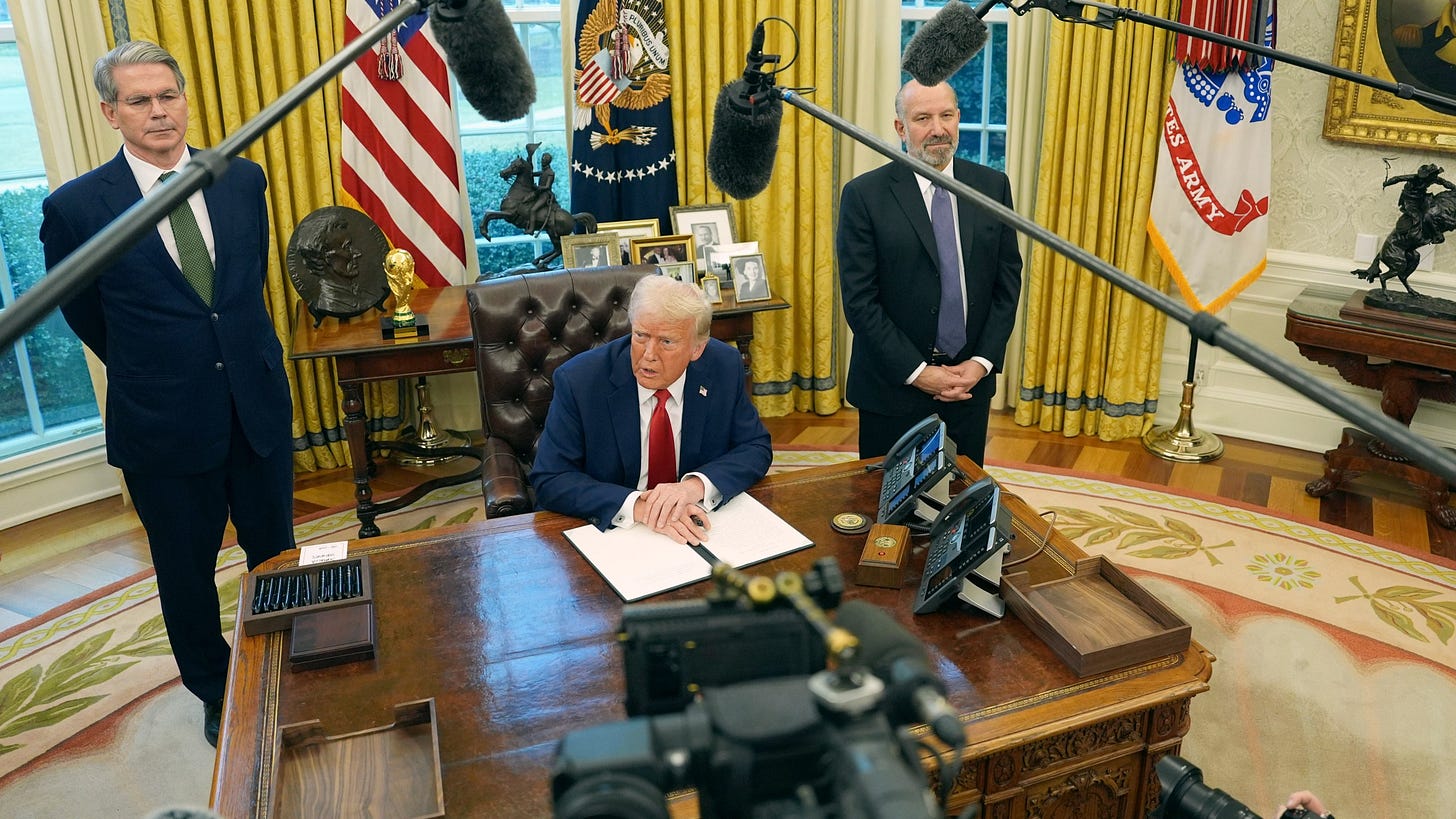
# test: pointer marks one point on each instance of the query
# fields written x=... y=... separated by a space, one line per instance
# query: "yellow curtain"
x=1092 y=353
x=238 y=58
x=793 y=350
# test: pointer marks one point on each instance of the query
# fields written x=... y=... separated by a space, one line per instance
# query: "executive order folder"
x=638 y=562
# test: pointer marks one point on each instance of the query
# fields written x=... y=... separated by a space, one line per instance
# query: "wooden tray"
x=1097 y=619
x=393 y=770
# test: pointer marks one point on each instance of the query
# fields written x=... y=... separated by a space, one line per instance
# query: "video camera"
x=1182 y=795
x=769 y=731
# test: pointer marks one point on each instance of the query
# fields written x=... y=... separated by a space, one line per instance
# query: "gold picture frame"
x=663 y=249
x=1365 y=43
x=631 y=229
x=575 y=247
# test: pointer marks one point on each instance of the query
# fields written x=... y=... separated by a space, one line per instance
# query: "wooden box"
x=392 y=770
x=886 y=551
x=1097 y=619
x=323 y=594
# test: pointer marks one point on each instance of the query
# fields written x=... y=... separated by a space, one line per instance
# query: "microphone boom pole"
x=1202 y=325
x=85 y=263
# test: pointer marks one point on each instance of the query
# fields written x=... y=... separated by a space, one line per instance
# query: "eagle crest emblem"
x=623 y=55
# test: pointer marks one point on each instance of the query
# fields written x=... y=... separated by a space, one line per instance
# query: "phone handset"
x=959 y=507
x=914 y=438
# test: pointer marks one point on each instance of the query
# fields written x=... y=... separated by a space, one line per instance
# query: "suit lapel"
x=968 y=214
x=695 y=409
x=906 y=190
x=622 y=413
x=123 y=193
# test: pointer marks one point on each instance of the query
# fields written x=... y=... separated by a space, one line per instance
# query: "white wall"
x=1241 y=401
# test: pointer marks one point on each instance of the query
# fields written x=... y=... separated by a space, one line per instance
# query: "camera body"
x=1182 y=795
x=731 y=697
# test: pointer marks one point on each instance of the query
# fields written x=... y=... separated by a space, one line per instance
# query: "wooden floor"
x=51 y=561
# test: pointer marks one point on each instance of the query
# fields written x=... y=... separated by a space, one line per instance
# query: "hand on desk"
x=674 y=510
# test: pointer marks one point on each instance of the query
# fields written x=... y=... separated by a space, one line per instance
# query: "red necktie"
x=661 y=453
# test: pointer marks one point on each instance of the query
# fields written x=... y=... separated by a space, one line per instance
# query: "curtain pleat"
x=238 y=58
x=1091 y=353
x=792 y=350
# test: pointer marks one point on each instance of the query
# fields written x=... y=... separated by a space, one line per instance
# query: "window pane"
x=45 y=390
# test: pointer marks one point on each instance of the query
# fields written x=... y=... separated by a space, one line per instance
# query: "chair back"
x=526 y=325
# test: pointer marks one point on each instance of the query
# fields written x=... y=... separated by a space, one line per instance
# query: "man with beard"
x=930 y=284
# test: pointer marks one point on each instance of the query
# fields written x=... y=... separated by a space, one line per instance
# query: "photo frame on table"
x=686 y=272
x=1371 y=39
x=712 y=288
x=750 y=278
x=663 y=249
x=631 y=229
x=722 y=254
x=707 y=224
x=581 y=250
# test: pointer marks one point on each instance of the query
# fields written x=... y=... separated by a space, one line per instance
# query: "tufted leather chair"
x=525 y=326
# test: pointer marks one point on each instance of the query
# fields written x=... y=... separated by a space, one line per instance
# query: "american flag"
x=399 y=159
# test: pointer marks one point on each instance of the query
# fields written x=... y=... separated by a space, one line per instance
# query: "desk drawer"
x=406 y=360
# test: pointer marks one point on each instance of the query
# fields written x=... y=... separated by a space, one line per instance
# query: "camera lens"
x=611 y=796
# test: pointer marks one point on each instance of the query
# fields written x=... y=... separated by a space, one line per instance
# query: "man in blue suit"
x=666 y=395
x=198 y=412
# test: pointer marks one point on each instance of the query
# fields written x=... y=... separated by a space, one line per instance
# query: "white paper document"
x=638 y=562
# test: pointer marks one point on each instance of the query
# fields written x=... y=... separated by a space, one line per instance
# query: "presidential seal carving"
x=336 y=262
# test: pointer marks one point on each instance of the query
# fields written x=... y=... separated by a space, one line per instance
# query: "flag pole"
x=1179 y=441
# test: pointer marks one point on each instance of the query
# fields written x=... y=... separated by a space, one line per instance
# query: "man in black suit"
x=923 y=342
x=197 y=408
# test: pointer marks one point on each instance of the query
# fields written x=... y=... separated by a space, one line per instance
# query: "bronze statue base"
x=1413 y=303
x=421 y=327
x=1401 y=310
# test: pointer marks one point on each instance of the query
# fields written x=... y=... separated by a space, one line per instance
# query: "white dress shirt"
x=147 y=175
x=646 y=403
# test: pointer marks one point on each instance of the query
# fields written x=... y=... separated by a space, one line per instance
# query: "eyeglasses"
x=143 y=102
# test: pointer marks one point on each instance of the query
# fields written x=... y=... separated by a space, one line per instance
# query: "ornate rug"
x=1336 y=669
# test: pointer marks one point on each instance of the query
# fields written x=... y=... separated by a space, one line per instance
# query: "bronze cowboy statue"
x=531 y=206
x=1425 y=218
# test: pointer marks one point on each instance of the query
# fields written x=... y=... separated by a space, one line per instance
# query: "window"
x=980 y=84
x=45 y=391
x=487 y=146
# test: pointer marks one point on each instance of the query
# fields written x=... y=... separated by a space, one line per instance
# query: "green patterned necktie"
x=191 y=250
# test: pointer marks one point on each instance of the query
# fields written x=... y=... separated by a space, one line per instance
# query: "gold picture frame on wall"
x=1375 y=38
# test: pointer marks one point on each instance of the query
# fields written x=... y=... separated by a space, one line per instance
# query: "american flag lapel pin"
x=703 y=391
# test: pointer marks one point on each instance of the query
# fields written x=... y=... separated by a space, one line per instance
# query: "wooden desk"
x=512 y=633
x=1411 y=362
x=360 y=355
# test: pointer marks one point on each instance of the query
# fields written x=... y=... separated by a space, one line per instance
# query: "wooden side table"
x=1406 y=358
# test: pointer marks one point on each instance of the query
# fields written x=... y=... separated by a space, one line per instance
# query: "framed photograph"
x=682 y=271
x=750 y=279
x=722 y=254
x=712 y=288
x=1395 y=39
x=707 y=224
x=627 y=231
x=589 y=250
x=663 y=249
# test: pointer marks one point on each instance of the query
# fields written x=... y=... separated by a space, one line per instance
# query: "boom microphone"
x=746 y=122
x=481 y=47
x=946 y=42
x=912 y=690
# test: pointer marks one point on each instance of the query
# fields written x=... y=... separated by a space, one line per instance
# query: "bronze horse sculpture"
x=1425 y=218
x=532 y=207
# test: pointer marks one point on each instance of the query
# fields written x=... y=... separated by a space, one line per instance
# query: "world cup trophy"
x=399 y=268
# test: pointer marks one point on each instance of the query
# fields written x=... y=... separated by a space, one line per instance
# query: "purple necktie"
x=950 y=330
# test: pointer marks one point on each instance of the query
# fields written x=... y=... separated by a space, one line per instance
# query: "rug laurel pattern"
x=1336 y=662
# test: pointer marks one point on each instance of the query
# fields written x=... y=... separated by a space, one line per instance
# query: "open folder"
x=638 y=562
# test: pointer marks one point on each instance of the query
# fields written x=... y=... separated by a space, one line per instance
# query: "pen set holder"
x=271 y=600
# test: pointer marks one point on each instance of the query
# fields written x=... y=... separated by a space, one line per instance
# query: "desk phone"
x=964 y=535
x=916 y=462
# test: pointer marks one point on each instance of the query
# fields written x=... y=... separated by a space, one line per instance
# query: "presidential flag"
x=1209 y=214
x=623 y=164
x=399 y=162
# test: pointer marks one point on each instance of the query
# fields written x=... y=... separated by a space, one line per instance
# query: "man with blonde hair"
x=655 y=428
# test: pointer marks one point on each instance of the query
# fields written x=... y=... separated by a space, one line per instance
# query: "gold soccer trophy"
x=399 y=269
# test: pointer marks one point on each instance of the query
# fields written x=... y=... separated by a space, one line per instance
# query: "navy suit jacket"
x=590 y=452
x=889 y=274
x=176 y=368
